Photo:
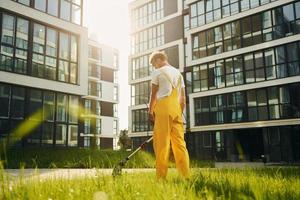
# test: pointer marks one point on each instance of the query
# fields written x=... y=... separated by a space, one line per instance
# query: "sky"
x=108 y=23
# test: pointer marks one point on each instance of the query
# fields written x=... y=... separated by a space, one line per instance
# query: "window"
x=140 y=121
x=270 y=64
x=25 y=2
x=7 y=42
x=139 y=93
x=255 y=29
x=52 y=7
x=259 y=66
x=262 y=104
x=72 y=135
x=76 y=14
x=267 y=64
x=73 y=109
x=95 y=53
x=63 y=71
x=44 y=55
x=98 y=127
x=252 y=104
x=98 y=108
x=35 y=105
x=47 y=135
x=38 y=59
x=4 y=100
x=148 y=13
x=17 y=103
x=115 y=127
x=51 y=54
x=280 y=62
x=61 y=109
x=21 y=46
x=65 y=10
x=61 y=134
x=49 y=106
x=293 y=59
x=267 y=26
x=40 y=5
x=87 y=126
x=148 y=39
x=115 y=110
x=64 y=42
x=207 y=140
x=273 y=101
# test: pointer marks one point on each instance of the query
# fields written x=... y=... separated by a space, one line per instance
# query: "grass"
x=267 y=183
x=79 y=158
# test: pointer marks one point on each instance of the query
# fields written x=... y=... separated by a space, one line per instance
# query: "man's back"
x=162 y=78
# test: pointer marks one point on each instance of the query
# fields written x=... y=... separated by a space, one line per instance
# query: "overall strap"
x=170 y=81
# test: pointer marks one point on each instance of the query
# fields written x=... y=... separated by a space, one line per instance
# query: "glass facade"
x=94 y=89
x=53 y=116
x=276 y=144
x=269 y=25
x=147 y=14
x=141 y=67
x=53 y=56
x=268 y=64
x=207 y=11
x=278 y=102
x=140 y=121
x=69 y=10
x=95 y=53
x=140 y=93
x=148 y=39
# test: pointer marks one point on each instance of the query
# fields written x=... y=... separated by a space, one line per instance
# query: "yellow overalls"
x=168 y=128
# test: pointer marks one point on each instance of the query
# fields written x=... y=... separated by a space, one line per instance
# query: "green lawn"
x=277 y=183
x=79 y=158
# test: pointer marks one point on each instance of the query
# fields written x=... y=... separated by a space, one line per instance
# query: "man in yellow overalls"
x=167 y=103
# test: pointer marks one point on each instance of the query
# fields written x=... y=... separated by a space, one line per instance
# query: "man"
x=167 y=103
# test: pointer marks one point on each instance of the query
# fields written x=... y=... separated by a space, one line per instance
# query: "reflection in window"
x=40 y=5
x=63 y=71
x=64 y=46
x=17 y=103
x=49 y=106
x=65 y=10
x=61 y=110
x=4 y=100
x=73 y=109
x=61 y=134
x=52 y=8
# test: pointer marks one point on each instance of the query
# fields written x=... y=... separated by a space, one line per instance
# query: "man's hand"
x=151 y=117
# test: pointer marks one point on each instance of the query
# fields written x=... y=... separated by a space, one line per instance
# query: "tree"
x=124 y=140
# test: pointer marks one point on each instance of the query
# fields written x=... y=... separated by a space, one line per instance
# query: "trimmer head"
x=117 y=171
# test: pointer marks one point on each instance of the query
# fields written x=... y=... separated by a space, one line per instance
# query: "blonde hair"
x=157 y=55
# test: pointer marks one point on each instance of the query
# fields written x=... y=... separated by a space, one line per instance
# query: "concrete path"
x=66 y=173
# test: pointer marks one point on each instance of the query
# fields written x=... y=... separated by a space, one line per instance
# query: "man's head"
x=158 y=59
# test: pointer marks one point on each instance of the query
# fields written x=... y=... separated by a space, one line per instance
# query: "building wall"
x=46 y=19
x=102 y=99
x=48 y=107
x=227 y=130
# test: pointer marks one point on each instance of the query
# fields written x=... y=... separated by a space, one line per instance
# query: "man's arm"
x=154 y=89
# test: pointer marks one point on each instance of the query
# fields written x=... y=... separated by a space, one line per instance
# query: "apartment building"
x=242 y=76
x=100 y=117
x=155 y=25
x=57 y=88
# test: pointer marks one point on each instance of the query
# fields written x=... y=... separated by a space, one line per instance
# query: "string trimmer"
x=117 y=171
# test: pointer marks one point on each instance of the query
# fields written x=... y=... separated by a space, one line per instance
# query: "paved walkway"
x=66 y=173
